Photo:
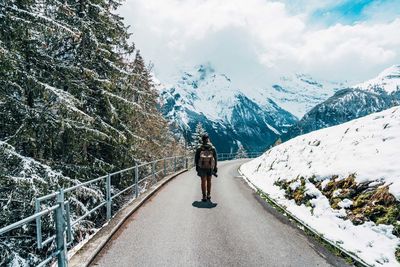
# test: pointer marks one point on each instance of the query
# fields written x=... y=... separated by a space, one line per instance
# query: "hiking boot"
x=208 y=197
x=204 y=199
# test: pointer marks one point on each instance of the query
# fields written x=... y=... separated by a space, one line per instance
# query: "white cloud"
x=255 y=40
x=350 y=52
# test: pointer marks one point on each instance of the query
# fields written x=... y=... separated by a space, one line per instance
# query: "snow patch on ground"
x=367 y=147
x=345 y=203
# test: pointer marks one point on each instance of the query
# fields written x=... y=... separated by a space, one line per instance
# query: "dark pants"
x=206 y=183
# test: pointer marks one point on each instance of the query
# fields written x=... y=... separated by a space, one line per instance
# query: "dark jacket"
x=205 y=147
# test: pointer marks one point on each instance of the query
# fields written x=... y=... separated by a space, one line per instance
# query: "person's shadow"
x=204 y=204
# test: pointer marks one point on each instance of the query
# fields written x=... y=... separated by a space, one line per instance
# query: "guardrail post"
x=68 y=216
x=60 y=229
x=136 y=180
x=165 y=167
x=108 y=196
x=38 y=225
x=186 y=162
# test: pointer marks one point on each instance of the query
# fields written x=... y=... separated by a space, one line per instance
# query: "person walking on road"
x=206 y=165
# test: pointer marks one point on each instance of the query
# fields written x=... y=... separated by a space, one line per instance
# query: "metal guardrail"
x=63 y=236
x=232 y=156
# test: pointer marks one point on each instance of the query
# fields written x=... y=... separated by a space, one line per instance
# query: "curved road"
x=237 y=229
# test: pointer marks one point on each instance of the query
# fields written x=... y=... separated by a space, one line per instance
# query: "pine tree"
x=76 y=97
x=197 y=135
x=241 y=152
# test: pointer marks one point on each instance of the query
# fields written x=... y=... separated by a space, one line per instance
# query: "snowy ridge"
x=388 y=81
x=366 y=148
x=350 y=103
x=299 y=93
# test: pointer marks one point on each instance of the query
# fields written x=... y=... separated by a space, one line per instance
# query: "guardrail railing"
x=142 y=176
x=231 y=156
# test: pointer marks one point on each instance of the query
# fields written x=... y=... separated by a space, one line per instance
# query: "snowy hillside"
x=343 y=181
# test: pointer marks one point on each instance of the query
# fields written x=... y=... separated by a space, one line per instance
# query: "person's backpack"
x=206 y=160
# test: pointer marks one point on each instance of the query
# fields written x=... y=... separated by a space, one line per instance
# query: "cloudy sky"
x=255 y=41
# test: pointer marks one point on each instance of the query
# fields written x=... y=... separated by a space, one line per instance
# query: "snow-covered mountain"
x=388 y=81
x=343 y=181
x=299 y=93
x=228 y=115
x=233 y=115
x=371 y=96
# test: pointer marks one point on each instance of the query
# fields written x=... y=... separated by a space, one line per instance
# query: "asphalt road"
x=174 y=228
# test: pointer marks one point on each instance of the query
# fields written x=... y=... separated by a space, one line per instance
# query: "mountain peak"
x=205 y=70
x=387 y=81
x=390 y=73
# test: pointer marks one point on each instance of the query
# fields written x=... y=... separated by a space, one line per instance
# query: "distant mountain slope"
x=388 y=81
x=345 y=105
x=374 y=95
x=227 y=114
x=299 y=93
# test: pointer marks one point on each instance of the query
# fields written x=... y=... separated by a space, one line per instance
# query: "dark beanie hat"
x=204 y=138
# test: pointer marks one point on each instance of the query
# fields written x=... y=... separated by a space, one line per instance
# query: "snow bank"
x=367 y=147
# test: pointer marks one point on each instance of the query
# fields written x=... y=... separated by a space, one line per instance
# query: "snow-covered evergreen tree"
x=197 y=135
x=75 y=97
x=241 y=152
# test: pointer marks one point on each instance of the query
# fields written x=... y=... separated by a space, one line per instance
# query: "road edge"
x=304 y=225
x=87 y=253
